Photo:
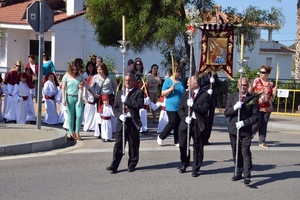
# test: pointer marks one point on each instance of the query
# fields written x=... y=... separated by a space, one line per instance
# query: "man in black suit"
x=249 y=115
x=134 y=101
x=196 y=119
x=210 y=82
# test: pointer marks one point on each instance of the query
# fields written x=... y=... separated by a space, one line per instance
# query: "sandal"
x=78 y=137
x=72 y=136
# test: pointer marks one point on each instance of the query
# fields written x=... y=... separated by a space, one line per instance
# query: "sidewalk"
x=21 y=139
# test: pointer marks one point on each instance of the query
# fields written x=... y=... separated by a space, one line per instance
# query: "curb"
x=35 y=146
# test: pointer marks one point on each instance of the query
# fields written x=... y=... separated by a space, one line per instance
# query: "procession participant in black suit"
x=134 y=101
x=199 y=104
x=249 y=115
x=210 y=82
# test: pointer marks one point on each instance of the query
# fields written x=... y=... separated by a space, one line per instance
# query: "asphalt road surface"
x=78 y=172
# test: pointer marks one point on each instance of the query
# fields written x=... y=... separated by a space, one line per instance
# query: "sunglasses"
x=244 y=85
x=18 y=65
x=262 y=72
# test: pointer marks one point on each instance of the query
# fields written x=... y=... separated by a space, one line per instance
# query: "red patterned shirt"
x=265 y=94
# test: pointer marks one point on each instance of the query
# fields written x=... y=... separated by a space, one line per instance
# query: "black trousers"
x=173 y=124
x=261 y=126
x=210 y=121
x=132 y=135
x=198 y=144
x=244 y=154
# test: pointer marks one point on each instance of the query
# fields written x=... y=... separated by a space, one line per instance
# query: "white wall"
x=75 y=38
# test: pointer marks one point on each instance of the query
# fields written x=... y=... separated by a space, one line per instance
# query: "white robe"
x=4 y=88
x=51 y=116
x=106 y=126
x=163 y=118
x=21 y=90
x=58 y=98
x=1 y=94
x=89 y=114
x=143 y=115
x=10 y=108
x=31 y=111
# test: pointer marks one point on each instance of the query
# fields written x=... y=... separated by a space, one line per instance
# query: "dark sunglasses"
x=18 y=65
x=244 y=85
x=262 y=72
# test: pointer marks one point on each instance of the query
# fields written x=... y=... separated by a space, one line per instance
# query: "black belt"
x=73 y=95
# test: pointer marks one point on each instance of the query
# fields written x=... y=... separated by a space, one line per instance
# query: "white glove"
x=210 y=91
x=211 y=79
x=123 y=98
x=239 y=124
x=153 y=106
x=188 y=120
x=237 y=105
x=146 y=101
x=190 y=102
x=122 y=117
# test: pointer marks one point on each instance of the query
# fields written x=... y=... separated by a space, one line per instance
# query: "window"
x=34 y=48
x=269 y=62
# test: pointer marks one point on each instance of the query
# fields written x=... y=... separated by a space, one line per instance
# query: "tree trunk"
x=297 y=55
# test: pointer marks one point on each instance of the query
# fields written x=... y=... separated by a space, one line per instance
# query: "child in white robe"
x=58 y=98
x=163 y=117
x=50 y=91
x=1 y=95
x=89 y=113
x=143 y=115
x=106 y=112
x=90 y=109
x=22 y=93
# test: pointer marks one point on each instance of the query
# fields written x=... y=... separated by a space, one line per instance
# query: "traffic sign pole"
x=40 y=75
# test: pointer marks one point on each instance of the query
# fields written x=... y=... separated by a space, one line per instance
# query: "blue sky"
x=287 y=34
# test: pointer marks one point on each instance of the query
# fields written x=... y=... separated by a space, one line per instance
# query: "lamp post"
x=123 y=50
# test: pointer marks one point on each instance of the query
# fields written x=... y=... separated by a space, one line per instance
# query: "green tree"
x=162 y=25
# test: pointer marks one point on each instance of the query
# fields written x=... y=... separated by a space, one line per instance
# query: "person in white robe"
x=58 y=98
x=163 y=117
x=89 y=113
x=11 y=78
x=143 y=115
x=106 y=113
x=50 y=91
x=1 y=95
x=23 y=91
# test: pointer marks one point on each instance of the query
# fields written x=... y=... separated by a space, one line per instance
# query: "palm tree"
x=297 y=55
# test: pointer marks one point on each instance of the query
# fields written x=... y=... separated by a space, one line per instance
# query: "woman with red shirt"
x=265 y=89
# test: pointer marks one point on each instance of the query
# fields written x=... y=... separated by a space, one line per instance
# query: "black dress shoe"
x=112 y=170
x=195 y=174
x=131 y=169
x=247 y=181
x=236 y=178
x=182 y=169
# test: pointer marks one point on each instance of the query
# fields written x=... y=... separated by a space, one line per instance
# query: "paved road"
x=78 y=172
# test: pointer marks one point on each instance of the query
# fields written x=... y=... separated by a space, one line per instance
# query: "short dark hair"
x=45 y=53
x=31 y=56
